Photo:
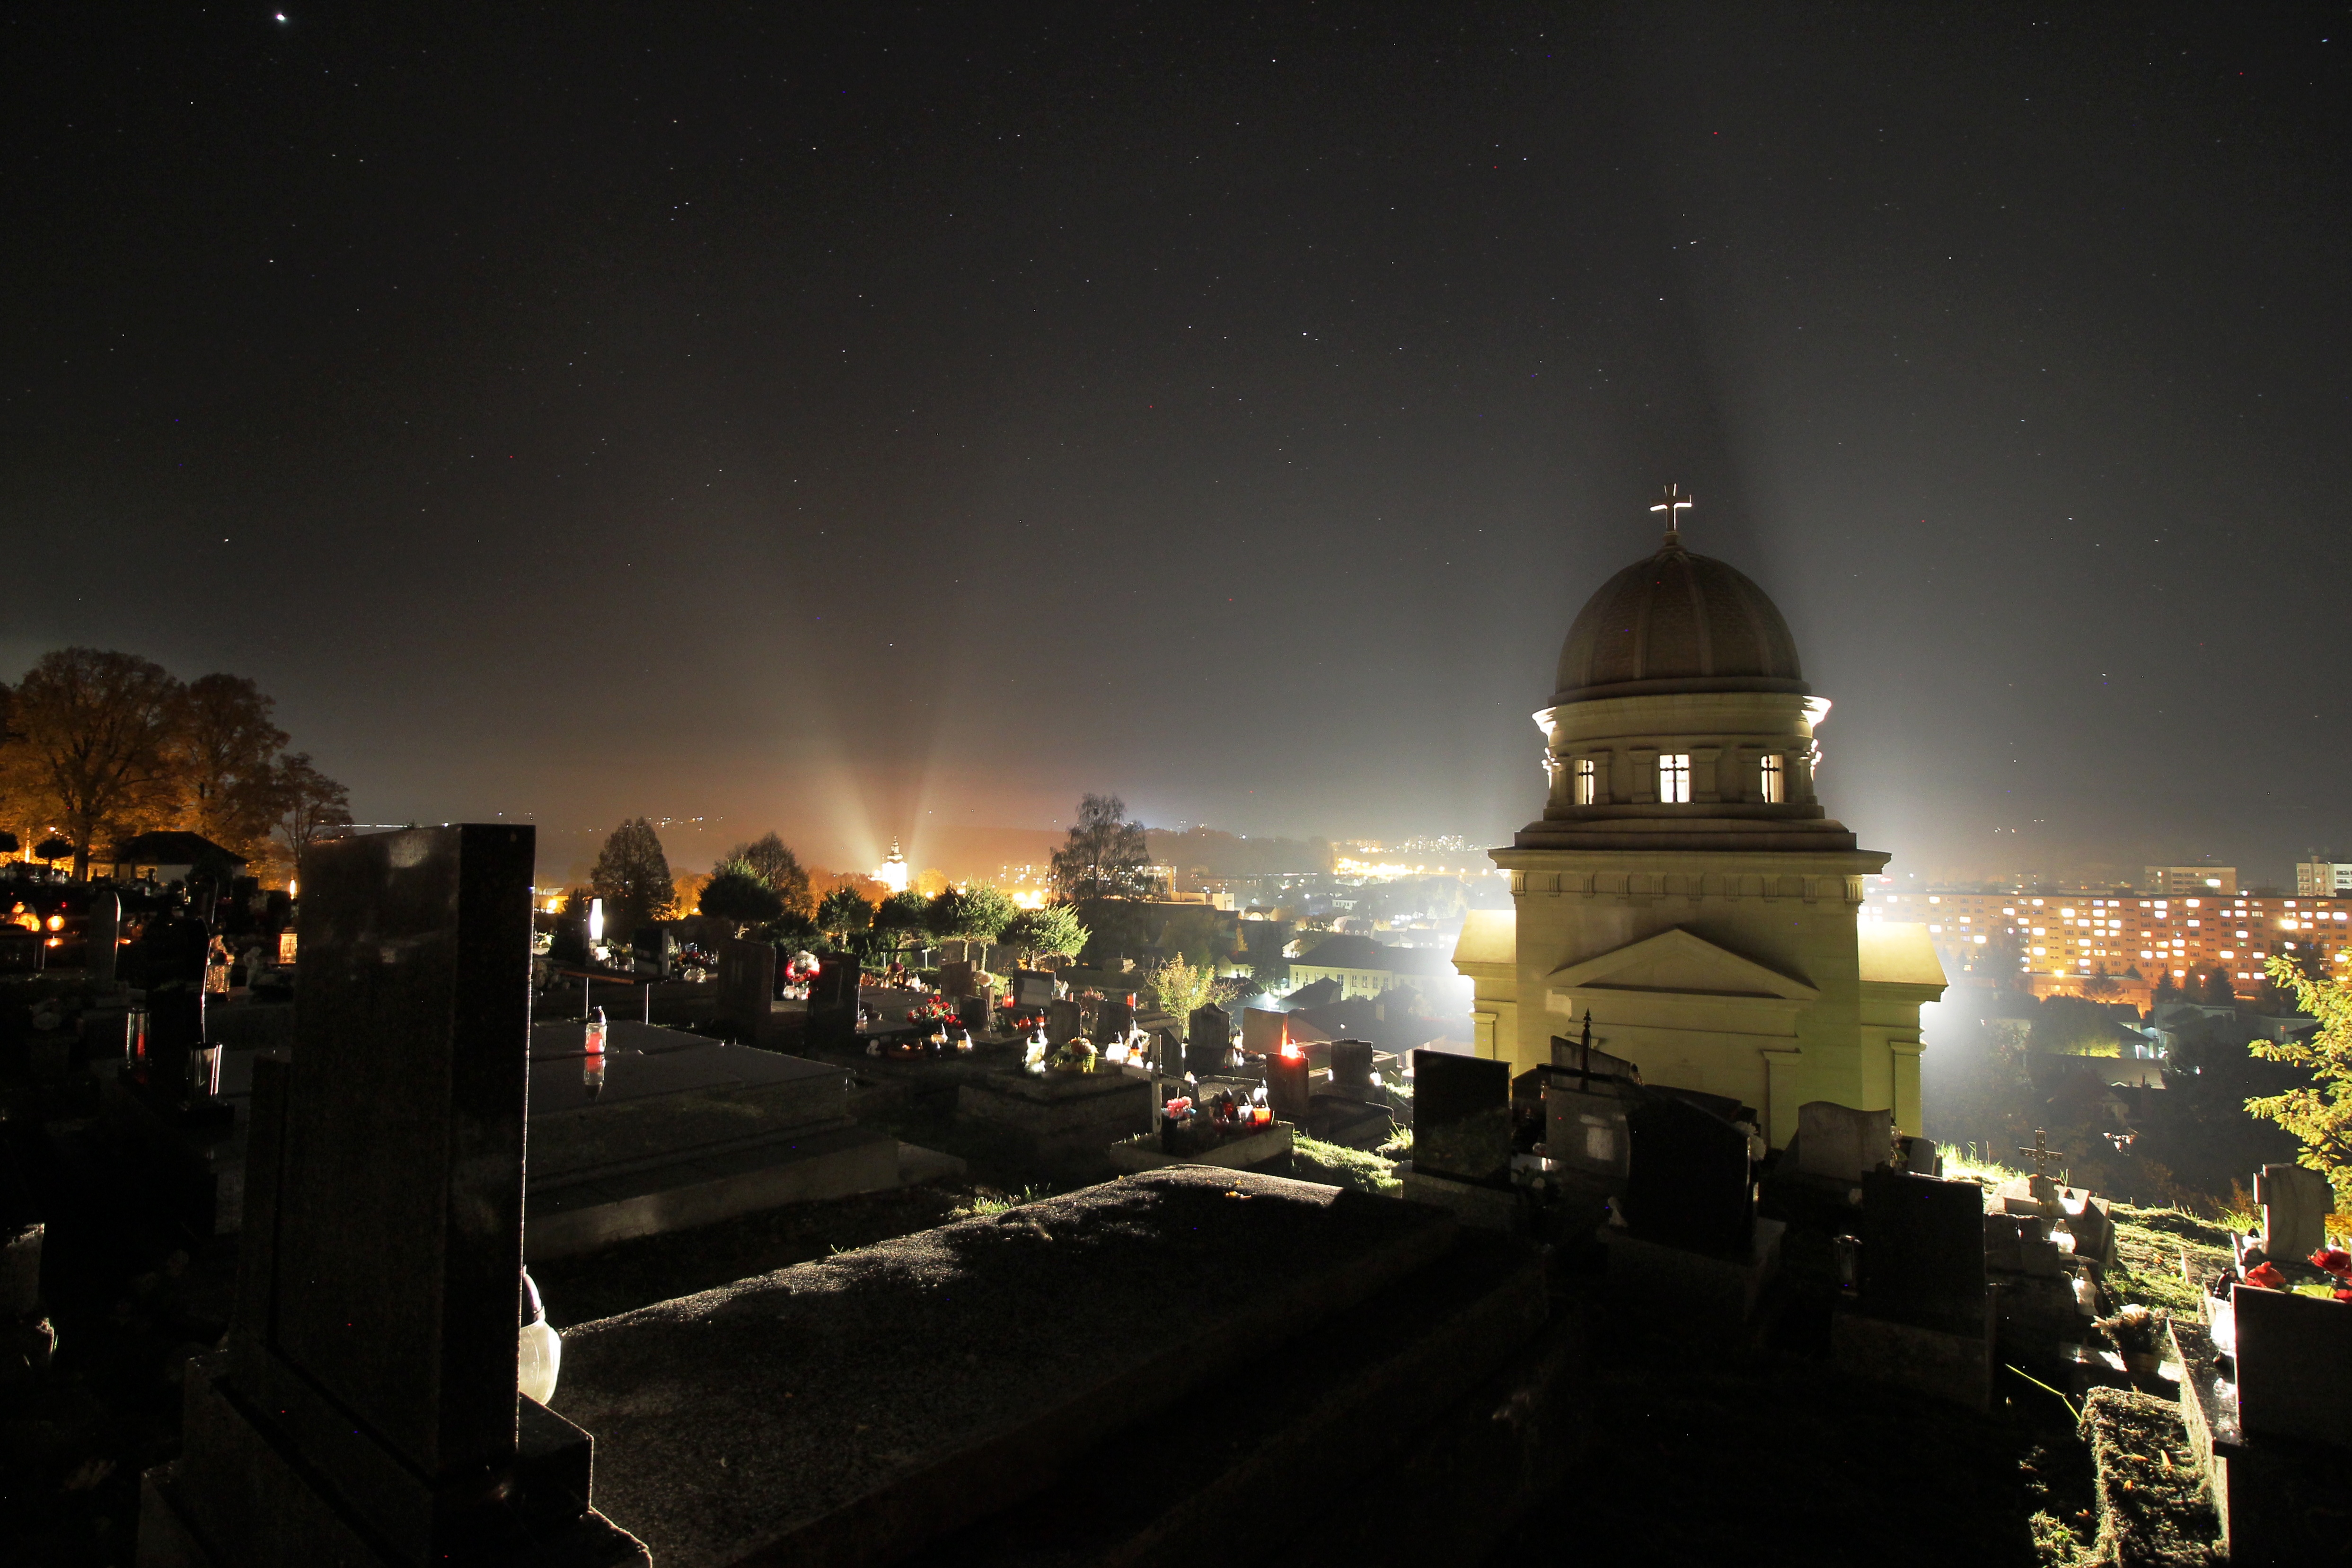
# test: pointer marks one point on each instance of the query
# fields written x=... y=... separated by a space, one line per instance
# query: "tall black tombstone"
x=172 y=950
x=1208 y=1040
x=1461 y=1117
x=833 y=999
x=102 y=945
x=365 y=1411
x=1688 y=1181
x=1923 y=1251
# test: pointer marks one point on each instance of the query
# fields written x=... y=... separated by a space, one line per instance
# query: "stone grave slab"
x=1389 y=1408
x=1066 y=1118
x=1208 y=1041
x=1287 y=1089
x=1143 y=1153
x=641 y=1141
x=1677 y=1284
x=857 y=1409
x=1063 y=1022
x=1032 y=988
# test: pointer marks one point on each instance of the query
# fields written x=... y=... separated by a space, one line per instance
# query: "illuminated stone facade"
x=1684 y=885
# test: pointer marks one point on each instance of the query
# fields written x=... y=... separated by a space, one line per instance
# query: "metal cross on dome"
x=1673 y=502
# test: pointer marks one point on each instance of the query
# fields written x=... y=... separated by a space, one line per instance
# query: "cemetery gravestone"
x=955 y=978
x=1351 y=1068
x=105 y=933
x=1113 y=1020
x=1924 y=1251
x=1263 y=1032
x=1839 y=1143
x=1287 y=1087
x=1061 y=1022
x=654 y=950
x=1209 y=1038
x=747 y=985
x=172 y=953
x=1032 y=988
x=1462 y=1116
x=1688 y=1183
x=367 y=1410
x=2296 y=1204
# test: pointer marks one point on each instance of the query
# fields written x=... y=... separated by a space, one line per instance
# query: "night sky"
x=855 y=420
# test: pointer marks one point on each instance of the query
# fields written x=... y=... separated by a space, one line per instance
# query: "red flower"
x=2332 y=1260
x=2267 y=1276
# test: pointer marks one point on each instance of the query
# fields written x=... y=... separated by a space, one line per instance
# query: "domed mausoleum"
x=1684 y=884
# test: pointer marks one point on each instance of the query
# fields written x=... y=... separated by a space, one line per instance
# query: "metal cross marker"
x=2042 y=1151
x=1673 y=502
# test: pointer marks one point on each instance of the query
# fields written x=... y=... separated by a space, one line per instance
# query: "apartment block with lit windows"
x=2074 y=934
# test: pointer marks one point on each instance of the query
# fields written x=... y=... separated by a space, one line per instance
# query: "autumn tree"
x=1105 y=856
x=1179 y=986
x=311 y=805
x=92 y=745
x=632 y=876
x=775 y=863
x=225 y=757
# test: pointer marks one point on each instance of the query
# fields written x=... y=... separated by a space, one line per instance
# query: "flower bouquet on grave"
x=934 y=1010
x=1078 y=1056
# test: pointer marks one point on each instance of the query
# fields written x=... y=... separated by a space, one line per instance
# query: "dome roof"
x=1674 y=623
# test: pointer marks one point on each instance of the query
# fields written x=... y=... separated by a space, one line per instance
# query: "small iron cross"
x=2042 y=1151
x=1673 y=502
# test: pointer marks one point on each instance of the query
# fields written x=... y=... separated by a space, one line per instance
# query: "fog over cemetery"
x=766 y=791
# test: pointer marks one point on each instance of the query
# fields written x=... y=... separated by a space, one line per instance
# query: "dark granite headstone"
x=1688 y=1183
x=747 y=984
x=1286 y=1089
x=1585 y=1125
x=1923 y=1250
x=1032 y=988
x=1208 y=1040
x=835 y=987
x=171 y=960
x=366 y=1409
x=1351 y=1067
x=654 y=950
x=1062 y=1023
x=955 y=978
x=1113 y=1019
x=1461 y=1116
x=105 y=932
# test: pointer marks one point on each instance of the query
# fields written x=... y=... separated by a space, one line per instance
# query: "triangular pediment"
x=1676 y=961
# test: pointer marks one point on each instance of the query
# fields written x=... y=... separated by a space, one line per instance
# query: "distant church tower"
x=1684 y=885
x=892 y=873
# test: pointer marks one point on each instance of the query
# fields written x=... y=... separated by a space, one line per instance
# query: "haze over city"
x=865 y=423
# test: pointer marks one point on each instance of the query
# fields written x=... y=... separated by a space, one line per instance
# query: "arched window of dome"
x=1775 y=780
x=1588 y=781
x=1674 y=778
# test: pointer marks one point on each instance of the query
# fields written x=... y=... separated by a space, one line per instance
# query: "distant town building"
x=2322 y=878
x=2179 y=881
x=1360 y=966
x=2073 y=936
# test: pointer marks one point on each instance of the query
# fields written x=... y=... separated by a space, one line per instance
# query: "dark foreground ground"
x=1722 y=1453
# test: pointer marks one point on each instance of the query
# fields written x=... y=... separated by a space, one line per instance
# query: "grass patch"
x=2149 y=1245
x=1312 y=1160
x=1962 y=1163
x=987 y=1200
